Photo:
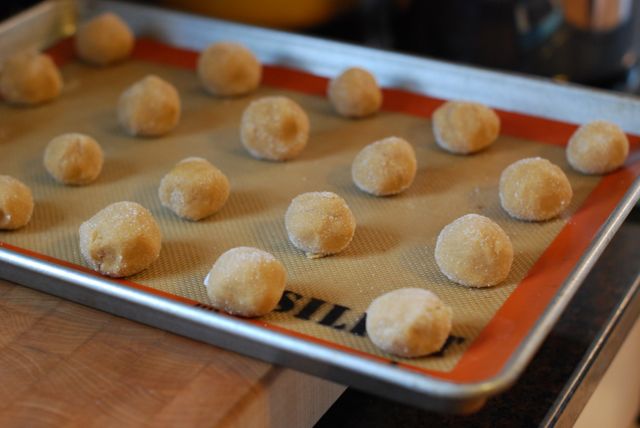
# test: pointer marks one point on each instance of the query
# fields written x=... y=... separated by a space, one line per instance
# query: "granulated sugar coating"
x=246 y=281
x=534 y=189
x=385 y=167
x=29 y=78
x=149 y=108
x=194 y=189
x=120 y=240
x=462 y=127
x=274 y=128
x=355 y=93
x=73 y=158
x=16 y=203
x=597 y=147
x=228 y=69
x=104 y=40
x=474 y=251
x=409 y=322
x=319 y=223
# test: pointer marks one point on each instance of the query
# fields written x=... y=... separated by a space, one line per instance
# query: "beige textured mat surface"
x=395 y=238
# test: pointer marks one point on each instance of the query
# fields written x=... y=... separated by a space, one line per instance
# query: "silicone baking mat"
x=394 y=242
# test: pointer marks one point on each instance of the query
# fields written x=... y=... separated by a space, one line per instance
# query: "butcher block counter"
x=64 y=364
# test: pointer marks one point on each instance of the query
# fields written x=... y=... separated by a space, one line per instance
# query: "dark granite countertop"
x=563 y=374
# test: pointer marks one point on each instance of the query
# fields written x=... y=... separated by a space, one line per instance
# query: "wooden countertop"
x=64 y=364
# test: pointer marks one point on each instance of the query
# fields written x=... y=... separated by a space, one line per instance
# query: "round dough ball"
x=385 y=167
x=274 y=128
x=30 y=78
x=597 y=147
x=104 y=40
x=462 y=127
x=149 y=108
x=409 y=322
x=120 y=240
x=73 y=159
x=355 y=93
x=194 y=189
x=246 y=281
x=474 y=251
x=319 y=223
x=16 y=203
x=534 y=189
x=229 y=69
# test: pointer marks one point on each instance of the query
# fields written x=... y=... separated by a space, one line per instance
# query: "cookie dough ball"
x=355 y=93
x=319 y=223
x=73 y=159
x=597 y=147
x=16 y=203
x=30 y=78
x=274 y=128
x=229 y=69
x=104 y=40
x=120 y=240
x=149 y=108
x=534 y=189
x=474 y=251
x=462 y=127
x=194 y=189
x=409 y=322
x=246 y=281
x=385 y=167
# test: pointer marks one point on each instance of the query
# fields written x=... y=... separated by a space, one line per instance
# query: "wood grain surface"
x=67 y=365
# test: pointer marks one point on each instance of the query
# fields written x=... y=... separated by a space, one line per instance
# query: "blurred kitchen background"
x=592 y=42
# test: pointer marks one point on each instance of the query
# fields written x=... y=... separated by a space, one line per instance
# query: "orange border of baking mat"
x=515 y=318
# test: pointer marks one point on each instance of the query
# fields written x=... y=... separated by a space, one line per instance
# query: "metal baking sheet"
x=318 y=327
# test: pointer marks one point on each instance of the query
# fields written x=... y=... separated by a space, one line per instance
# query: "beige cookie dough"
x=474 y=251
x=274 y=128
x=597 y=147
x=120 y=240
x=319 y=223
x=355 y=93
x=409 y=322
x=534 y=189
x=385 y=167
x=228 y=69
x=194 y=189
x=104 y=40
x=149 y=108
x=73 y=158
x=462 y=127
x=246 y=281
x=16 y=203
x=29 y=78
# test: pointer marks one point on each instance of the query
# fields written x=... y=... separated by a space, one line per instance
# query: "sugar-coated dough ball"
x=30 y=78
x=228 y=69
x=150 y=107
x=319 y=223
x=16 y=203
x=104 y=40
x=194 y=189
x=73 y=159
x=120 y=240
x=355 y=93
x=385 y=167
x=597 y=147
x=474 y=251
x=464 y=127
x=274 y=128
x=409 y=322
x=246 y=281
x=534 y=189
